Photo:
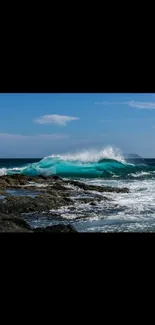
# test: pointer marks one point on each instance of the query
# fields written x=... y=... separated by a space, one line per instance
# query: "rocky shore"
x=20 y=194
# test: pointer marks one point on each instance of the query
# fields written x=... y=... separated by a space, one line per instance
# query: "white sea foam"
x=3 y=171
x=139 y=174
x=91 y=155
x=36 y=184
x=17 y=168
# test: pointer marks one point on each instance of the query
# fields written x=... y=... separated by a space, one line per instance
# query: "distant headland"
x=131 y=155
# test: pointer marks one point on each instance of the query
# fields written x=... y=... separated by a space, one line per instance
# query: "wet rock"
x=3 y=192
x=55 y=177
x=92 y=203
x=11 y=226
x=21 y=180
x=3 y=183
x=85 y=200
x=72 y=208
x=58 y=187
x=21 y=222
x=56 y=182
x=98 y=188
x=9 y=223
x=25 y=204
x=82 y=216
x=17 y=205
x=95 y=198
x=29 y=188
x=57 y=229
x=59 y=193
x=52 y=197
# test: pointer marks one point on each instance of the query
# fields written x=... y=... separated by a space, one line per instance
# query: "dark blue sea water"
x=125 y=212
x=16 y=162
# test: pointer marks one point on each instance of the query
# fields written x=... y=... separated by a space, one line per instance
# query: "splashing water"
x=133 y=211
x=90 y=156
x=105 y=163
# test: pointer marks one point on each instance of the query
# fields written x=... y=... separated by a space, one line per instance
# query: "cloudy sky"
x=37 y=125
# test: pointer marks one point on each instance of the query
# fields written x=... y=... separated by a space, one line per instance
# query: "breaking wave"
x=105 y=163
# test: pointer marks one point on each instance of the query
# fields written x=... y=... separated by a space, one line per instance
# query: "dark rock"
x=52 y=197
x=29 y=188
x=25 y=204
x=92 y=203
x=57 y=183
x=3 y=192
x=20 y=180
x=21 y=222
x=11 y=226
x=90 y=199
x=3 y=183
x=57 y=229
x=9 y=223
x=98 y=188
x=55 y=177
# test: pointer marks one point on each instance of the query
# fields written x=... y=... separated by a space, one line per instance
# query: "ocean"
x=124 y=212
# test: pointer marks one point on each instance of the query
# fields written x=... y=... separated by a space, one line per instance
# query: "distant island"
x=132 y=155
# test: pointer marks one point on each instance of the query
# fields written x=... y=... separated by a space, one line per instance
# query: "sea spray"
x=104 y=163
x=91 y=155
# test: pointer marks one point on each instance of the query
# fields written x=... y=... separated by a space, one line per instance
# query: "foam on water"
x=93 y=155
x=3 y=171
x=105 y=163
x=127 y=212
x=133 y=211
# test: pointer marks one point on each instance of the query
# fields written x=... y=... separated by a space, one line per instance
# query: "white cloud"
x=142 y=105
x=131 y=103
x=55 y=119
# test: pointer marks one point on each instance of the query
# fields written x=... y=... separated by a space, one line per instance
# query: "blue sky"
x=37 y=125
